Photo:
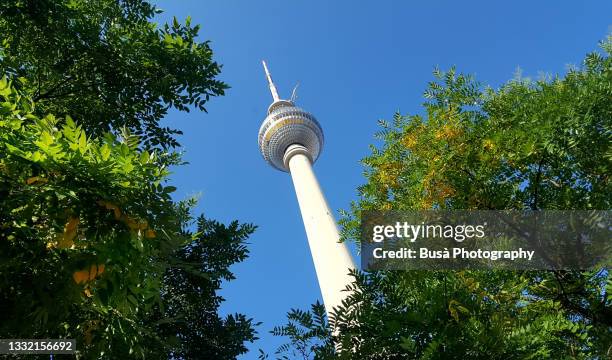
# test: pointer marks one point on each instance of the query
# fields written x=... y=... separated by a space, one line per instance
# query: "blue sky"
x=356 y=62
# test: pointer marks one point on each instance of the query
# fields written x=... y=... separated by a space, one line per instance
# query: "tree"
x=81 y=220
x=105 y=63
x=92 y=246
x=190 y=298
x=308 y=332
x=529 y=145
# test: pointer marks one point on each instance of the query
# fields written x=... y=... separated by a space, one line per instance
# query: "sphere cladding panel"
x=287 y=126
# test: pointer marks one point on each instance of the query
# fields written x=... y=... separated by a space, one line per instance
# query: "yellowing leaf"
x=131 y=223
x=85 y=275
x=93 y=271
x=72 y=224
x=87 y=292
x=35 y=180
x=455 y=305
x=70 y=231
x=80 y=276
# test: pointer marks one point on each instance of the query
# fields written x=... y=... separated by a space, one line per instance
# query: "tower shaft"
x=331 y=258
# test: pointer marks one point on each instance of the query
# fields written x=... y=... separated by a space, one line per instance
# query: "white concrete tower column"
x=331 y=258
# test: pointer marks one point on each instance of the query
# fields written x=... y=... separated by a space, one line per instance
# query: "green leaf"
x=169 y=189
x=46 y=138
x=82 y=142
x=144 y=157
x=105 y=152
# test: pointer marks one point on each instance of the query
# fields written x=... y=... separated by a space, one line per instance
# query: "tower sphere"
x=288 y=125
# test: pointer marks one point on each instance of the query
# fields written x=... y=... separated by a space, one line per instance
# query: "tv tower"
x=290 y=139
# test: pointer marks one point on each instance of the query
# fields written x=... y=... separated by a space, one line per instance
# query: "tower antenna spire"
x=270 y=82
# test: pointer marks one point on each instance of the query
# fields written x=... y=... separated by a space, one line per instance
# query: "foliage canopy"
x=106 y=64
x=92 y=245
